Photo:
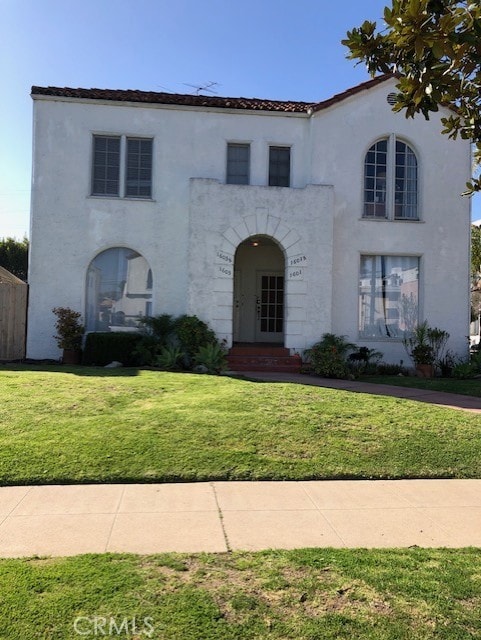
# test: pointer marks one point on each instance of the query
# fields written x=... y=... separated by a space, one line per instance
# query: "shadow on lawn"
x=77 y=370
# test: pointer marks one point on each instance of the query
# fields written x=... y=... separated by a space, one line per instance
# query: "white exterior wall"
x=194 y=222
x=440 y=238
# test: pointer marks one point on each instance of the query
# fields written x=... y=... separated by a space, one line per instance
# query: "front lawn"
x=63 y=425
x=307 y=594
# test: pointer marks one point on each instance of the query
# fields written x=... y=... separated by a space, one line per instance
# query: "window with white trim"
x=388 y=296
x=122 y=167
x=238 y=159
x=391 y=181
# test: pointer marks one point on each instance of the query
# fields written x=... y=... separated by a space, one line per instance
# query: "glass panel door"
x=270 y=307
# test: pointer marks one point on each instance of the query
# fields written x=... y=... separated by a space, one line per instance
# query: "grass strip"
x=306 y=594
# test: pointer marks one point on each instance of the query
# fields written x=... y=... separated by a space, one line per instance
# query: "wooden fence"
x=13 y=316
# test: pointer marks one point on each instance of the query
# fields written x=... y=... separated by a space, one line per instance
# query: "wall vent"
x=391 y=99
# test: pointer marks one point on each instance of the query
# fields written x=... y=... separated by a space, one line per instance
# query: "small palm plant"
x=212 y=357
x=170 y=358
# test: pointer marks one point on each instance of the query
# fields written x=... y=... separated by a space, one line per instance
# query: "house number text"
x=297 y=260
x=224 y=257
x=295 y=274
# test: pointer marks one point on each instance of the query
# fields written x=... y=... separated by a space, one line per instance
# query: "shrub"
x=364 y=361
x=192 y=334
x=69 y=328
x=328 y=357
x=426 y=344
x=157 y=332
x=159 y=327
x=386 y=369
x=104 y=347
x=447 y=363
x=163 y=338
x=212 y=357
x=170 y=358
x=464 y=370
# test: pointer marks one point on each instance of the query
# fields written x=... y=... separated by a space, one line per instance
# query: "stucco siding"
x=190 y=229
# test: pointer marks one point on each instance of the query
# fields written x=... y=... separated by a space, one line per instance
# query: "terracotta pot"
x=71 y=356
x=425 y=370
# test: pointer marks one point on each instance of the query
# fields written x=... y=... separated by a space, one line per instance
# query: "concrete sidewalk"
x=440 y=398
x=222 y=516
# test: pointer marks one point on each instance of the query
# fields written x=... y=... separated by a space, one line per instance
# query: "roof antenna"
x=205 y=87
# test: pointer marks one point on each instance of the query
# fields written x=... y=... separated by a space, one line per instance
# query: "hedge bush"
x=104 y=347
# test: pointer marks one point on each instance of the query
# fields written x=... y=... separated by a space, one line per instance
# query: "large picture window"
x=388 y=296
x=391 y=181
x=119 y=290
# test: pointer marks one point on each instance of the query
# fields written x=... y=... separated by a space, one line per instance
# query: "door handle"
x=258 y=306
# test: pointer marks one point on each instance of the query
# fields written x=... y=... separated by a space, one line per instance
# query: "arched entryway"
x=259 y=292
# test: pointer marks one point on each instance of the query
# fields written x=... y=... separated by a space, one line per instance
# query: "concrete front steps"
x=263 y=358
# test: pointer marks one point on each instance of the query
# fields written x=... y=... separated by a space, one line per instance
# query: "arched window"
x=391 y=181
x=117 y=291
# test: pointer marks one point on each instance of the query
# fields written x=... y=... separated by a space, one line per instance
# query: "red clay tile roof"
x=152 y=97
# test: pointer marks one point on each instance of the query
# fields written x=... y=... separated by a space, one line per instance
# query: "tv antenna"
x=204 y=87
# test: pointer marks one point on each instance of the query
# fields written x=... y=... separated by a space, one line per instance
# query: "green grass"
x=449 y=385
x=307 y=594
x=61 y=425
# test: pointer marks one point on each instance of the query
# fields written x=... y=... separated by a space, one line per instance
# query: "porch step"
x=262 y=358
x=261 y=350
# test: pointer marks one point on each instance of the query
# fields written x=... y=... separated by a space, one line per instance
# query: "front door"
x=270 y=306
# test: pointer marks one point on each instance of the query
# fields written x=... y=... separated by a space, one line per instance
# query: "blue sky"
x=264 y=48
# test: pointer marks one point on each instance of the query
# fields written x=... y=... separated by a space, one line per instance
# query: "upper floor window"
x=391 y=181
x=118 y=160
x=106 y=166
x=238 y=157
x=279 y=166
x=138 y=179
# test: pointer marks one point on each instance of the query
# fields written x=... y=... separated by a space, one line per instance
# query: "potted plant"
x=423 y=357
x=425 y=346
x=69 y=334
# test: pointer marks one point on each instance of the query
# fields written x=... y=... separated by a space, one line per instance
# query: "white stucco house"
x=272 y=221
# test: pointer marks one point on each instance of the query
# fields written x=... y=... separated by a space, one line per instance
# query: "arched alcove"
x=259 y=291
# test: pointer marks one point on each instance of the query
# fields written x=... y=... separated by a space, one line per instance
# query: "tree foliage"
x=434 y=46
x=475 y=271
x=14 y=256
x=475 y=251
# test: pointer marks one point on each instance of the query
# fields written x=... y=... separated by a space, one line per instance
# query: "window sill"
x=122 y=198
x=380 y=339
x=402 y=220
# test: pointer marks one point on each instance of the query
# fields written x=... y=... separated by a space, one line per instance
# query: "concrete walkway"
x=222 y=516
x=440 y=398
